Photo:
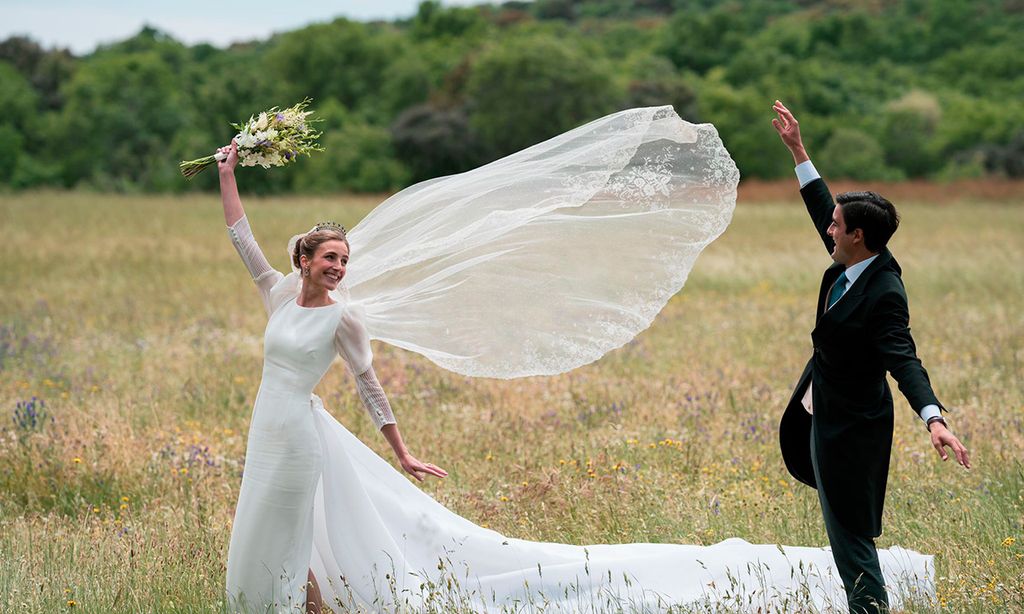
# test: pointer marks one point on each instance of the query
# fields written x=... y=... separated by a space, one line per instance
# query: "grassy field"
x=130 y=354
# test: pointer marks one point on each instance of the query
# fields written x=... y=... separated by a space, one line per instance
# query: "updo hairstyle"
x=308 y=244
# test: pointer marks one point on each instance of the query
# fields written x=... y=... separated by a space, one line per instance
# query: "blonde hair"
x=308 y=244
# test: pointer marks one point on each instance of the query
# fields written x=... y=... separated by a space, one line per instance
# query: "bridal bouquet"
x=273 y=138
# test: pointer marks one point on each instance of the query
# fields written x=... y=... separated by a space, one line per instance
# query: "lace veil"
x=547 y=259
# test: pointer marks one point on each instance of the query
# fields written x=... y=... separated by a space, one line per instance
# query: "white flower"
x=261 y=123
x=245 y=139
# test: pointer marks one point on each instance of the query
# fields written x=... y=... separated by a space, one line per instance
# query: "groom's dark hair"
x=874 y=215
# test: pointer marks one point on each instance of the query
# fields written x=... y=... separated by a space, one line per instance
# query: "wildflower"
x=124 y=499
x=76 y=460
x=489 y=457
x=1009 y=541
x=124 y=506
x=72 y=603
x=95 y=510
x=503 y=498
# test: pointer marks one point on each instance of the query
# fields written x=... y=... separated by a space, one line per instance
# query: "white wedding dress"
x=533 y=233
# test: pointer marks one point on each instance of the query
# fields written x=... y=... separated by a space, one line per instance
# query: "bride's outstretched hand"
x=228 y=163
x=419 y=469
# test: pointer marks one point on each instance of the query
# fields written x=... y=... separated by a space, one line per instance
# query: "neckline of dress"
x=296 y=303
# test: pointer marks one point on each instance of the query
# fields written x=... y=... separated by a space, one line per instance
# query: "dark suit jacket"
x=864 y=335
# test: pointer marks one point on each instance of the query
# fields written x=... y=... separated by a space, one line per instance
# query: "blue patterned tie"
x=837 y=290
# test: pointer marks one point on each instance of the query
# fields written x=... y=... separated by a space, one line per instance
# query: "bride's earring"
x=306 y=272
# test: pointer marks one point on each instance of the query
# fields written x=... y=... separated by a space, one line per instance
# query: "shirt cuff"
x=806 y=173
x=929 y=411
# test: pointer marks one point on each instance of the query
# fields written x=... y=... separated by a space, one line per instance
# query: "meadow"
x=130 y=355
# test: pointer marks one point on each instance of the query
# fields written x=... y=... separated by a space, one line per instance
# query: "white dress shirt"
x=806 y=173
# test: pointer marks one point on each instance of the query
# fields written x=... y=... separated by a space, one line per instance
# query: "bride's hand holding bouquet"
x=227 y=157
x=272 y=138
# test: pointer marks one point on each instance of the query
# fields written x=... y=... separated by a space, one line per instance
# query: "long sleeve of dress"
x=374 y=399
x=353 y=343
x=265 y=276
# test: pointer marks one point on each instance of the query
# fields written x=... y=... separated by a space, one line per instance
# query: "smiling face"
x=849 y=246
x=327 y=266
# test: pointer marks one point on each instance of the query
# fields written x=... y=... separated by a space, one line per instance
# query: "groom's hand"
x=789 y=131
x=941 y=437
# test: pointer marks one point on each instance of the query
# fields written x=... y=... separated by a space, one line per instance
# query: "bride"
x=504 y=271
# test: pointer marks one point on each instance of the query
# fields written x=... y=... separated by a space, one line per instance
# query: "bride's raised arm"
x=241 y=235
x=353 y=343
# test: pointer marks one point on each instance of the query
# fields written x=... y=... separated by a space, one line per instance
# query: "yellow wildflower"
x=1009 y=541
x=76 y=460
x=72 y=603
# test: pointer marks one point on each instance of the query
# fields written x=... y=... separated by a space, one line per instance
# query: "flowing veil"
x=547 y=259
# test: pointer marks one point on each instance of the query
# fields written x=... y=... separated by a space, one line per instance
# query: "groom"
x=836 y=433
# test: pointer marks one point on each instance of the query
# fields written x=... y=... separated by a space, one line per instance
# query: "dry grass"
x=131 y=319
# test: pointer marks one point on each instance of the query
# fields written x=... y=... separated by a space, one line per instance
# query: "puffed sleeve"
x=264 y=275
x=353 y=344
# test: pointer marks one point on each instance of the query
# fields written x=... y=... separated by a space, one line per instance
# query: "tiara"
x=329 y=226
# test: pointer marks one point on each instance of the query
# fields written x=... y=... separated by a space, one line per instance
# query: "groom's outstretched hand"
x=789 y=131
x=941 y=438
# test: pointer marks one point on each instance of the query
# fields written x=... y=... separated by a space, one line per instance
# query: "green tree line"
x=889 y=90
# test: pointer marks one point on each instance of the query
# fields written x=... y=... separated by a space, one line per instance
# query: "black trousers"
x=855 y=556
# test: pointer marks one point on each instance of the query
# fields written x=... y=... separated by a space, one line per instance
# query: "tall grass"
x=135 y=327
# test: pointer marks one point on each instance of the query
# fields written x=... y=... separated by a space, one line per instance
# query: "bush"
x=853 y=154
x=436 y=142
x=534 y=88
x=358 y=157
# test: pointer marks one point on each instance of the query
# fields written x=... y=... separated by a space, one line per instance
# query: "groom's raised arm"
x=815 y=193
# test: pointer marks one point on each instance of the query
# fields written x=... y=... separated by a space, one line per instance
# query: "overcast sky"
x=82 y=24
